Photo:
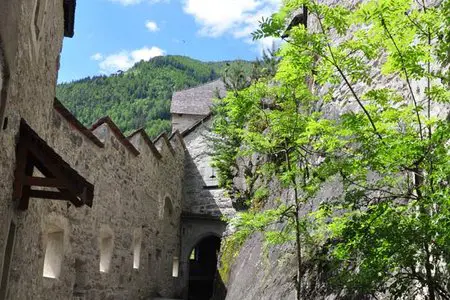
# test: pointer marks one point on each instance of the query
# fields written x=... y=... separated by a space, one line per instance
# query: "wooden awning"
x=33 y=152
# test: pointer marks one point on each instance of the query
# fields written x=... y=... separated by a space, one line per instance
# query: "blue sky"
x=112 y=35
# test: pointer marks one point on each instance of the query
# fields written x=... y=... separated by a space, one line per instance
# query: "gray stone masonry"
x=125 y=245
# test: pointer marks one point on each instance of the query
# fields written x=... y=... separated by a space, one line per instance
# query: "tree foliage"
x=139 y=97
x=355 y=99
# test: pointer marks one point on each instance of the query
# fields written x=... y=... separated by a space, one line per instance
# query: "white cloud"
x=124 y=60
x=239 y=17
x=97 y=56
x=236 y=17
x=152 y=26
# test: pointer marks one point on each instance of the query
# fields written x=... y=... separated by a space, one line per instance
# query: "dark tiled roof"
x=69 y=17
x=197 y=100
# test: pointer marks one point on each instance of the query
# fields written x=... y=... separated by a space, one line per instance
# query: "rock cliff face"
x=259 y=275
x=258 y=272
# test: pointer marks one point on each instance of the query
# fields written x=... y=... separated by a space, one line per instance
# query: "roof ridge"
x=199 y=85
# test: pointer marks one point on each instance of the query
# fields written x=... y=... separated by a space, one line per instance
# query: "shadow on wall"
x=220 y=290
x=4 y=79
x=201 y=191
x=204 y=279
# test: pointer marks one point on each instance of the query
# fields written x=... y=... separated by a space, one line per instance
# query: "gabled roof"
x=197 y=100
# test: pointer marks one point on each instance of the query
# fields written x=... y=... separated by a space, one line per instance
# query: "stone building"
x=193 y=105
x=87 y=213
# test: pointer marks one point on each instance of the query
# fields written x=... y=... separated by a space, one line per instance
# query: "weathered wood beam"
x=44 y=181
x=32 y=152
x=19 y=172
x=52 y=195
x=56 y=170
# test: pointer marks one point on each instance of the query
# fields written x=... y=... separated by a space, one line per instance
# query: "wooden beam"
x=43 y=181
x=19 y=172
x=56 y=170
x=51 y=195
x=32 y=152
x=25 y=199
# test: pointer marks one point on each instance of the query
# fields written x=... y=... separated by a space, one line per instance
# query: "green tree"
x=389 y=231
x=139 y=97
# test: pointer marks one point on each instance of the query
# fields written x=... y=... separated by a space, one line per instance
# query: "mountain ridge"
x=139 y=97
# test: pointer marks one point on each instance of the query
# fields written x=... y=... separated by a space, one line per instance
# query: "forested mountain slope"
x=139 y=97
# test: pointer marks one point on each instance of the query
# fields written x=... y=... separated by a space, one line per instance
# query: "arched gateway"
x=200 y=244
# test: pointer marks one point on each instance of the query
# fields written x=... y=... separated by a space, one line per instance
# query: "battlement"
x=105 y=126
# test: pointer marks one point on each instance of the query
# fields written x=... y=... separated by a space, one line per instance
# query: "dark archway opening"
x=203 y=268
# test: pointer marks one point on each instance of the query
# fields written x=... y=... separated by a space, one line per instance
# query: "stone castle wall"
x=201 y=193
x=181 y=122
x=137 y=199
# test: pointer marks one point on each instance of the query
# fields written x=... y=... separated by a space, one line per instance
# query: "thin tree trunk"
x=297 y=229
x=298 y=242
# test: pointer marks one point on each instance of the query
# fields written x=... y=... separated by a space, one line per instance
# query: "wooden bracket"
x=65 y=183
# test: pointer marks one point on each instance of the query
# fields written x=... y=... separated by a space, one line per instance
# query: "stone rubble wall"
x=181 y=122
x=130 y=190
x=201 y=194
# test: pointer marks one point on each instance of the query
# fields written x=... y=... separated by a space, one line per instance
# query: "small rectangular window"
x=106 y=250
x=54 y=254
x=193 y=255
x=175 y=266
x=137 y=242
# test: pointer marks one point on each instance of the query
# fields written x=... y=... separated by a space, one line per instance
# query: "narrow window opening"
x=168 y=208
x=54 y=253
x=80 y=278
x=7 y=260
x=106 y=250
x=137 y=243
x=193 y=255
x=175 y=266
x=5 y=123
x=149 y=258
x=158 y=254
